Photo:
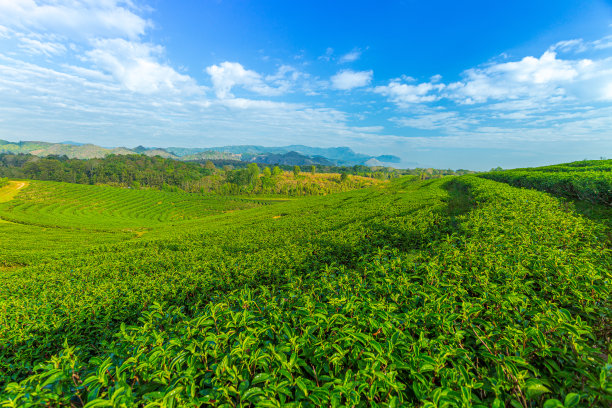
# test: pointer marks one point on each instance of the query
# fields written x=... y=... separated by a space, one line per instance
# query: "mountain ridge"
x=289 y=155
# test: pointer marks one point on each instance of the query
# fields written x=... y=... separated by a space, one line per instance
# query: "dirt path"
x=7 y=193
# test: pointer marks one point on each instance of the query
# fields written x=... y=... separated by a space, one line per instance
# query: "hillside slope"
x=458 y=291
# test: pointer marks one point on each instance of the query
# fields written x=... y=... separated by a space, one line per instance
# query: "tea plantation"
x=454 y=292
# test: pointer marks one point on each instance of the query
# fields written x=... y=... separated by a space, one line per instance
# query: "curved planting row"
x=102 y=207
x=460 y=293
x=592 y=186
x=85 y=296
x=578 y=166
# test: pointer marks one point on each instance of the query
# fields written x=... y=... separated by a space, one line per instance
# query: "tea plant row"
x=592 y=182
x=465 y=292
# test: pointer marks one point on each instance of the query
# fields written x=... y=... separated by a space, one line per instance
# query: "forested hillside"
x=458 y=291
x=141 y=171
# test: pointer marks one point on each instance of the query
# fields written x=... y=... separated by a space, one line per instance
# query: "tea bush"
x=453 y=292
x=587 y=180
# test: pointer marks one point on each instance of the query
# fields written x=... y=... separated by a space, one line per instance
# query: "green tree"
x=296 y=170
x=253 y=171
x=267 y=172
x=209 y=165
x=343 y=177
x=276 y=171
x=313 y=169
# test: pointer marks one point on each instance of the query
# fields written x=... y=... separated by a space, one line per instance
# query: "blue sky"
x=472 y=84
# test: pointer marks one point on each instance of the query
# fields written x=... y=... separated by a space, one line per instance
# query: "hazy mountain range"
x=288 y=155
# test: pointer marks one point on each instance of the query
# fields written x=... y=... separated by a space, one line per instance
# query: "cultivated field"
x=460 y=291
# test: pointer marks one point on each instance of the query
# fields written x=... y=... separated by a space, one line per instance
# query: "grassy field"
x=452 y=292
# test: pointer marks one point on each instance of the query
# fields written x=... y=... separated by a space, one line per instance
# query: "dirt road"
x=7 y=193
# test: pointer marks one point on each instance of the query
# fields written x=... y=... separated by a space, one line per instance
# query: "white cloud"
x=603 y=43
x=75 y=19
x=350 y=57
x=348 y=79
x=449 y=121
x=227 y=75
x=530 y=77
x=328 y=54
x=579 y=45
x=108 y=34
x=48 y=104
x=607 y=91
x=547 y=80
x=4 y=32
x=135 y=66
x=406 y=94
x=576 y=45
x=33 y=46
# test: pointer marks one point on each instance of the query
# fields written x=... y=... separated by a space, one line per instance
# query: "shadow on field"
x=598 y=213
x=460 y=201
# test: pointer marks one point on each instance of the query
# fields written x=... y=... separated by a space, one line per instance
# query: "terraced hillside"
x=49 y=220
x=55 y=204
x=450 y=292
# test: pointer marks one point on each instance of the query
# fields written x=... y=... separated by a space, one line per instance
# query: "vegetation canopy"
x=443 y=292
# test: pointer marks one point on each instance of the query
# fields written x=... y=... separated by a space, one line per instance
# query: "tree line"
x=140 y=171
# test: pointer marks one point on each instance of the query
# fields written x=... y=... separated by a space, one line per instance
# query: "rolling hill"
x=459 y=291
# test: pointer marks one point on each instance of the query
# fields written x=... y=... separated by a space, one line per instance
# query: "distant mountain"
x=291 y=159
x=186 y=151
x=338 y=155
x=210 y=155
x=287 y=155
x=70 y=142
x=22 y=147
x=160 y=152
x=387 y=158
x=85 y=151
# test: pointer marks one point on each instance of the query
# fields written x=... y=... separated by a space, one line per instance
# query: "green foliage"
x=586 y=180
x=142 y=172
x=296 y=171
x=51 y=204
x=122 y=170
x=460 y=292
x=3 y=181
x=208 y=165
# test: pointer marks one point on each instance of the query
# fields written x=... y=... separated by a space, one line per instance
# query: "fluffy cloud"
x=135 y=66
x=542 y=77
x=404 y=94
x=348 y=79
x=108 y=34
x=545 y=80
x=227 y=75
x=74 y=19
